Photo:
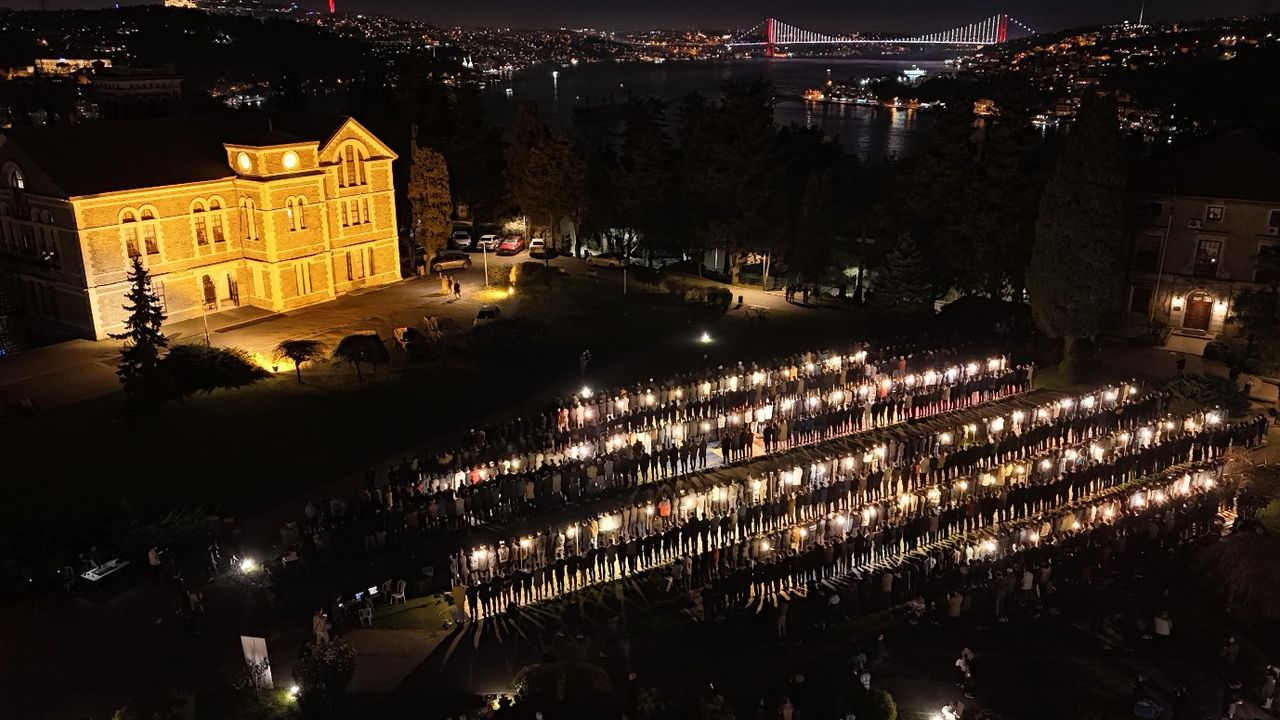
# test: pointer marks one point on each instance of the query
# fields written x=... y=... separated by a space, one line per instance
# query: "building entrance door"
x=233 y=291
x=1199 y=310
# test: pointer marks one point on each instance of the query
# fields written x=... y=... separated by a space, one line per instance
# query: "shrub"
x=720 y=297
x=195 y=368
x=873 y=704
x=563 y=684
x=323 y=673
x=1193 y=391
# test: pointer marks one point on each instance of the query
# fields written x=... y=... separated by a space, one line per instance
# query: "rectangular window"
x=1146 y=255
x=1265 y=267
x=1214 y=213
x=1140 y=300
x=346 y=220
x=369 y=262
x=149 y=239
x=1273 y=221
x=364 y=211
x=355 y=265
x=158 y=286
x=1207 y=256
x=202 y=231
x=51 y=302
x=131 y=242
x=219 y=234
x=302 y=276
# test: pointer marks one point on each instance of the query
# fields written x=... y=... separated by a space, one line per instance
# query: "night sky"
x=915 y=16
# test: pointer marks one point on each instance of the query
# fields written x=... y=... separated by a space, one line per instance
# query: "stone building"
x=223 y=211
x=1202 y=216
x=126 y=93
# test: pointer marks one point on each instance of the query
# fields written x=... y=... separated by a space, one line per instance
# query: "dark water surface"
x=868 y=132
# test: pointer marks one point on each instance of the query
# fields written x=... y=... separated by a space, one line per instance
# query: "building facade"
x=222 y=212
x=125 y=93
x=1203 y=215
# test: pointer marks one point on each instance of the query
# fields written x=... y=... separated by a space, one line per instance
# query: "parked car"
x=488 y=243
x=460 y=239
x=606 y=259
x=450 y=260
x=538 y=248
x=513 y=245
x=487 y=314
x=412 y=341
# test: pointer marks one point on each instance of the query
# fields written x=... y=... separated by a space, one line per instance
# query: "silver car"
x=450 y=260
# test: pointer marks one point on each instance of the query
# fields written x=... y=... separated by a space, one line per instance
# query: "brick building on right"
x=1202 y=215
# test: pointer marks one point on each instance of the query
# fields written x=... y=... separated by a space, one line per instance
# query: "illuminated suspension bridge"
x=771 y=33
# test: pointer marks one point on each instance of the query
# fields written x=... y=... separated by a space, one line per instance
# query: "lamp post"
x=484 y=252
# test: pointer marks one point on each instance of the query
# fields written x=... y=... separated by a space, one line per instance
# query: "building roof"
x=93 y=158
x=1235 y=165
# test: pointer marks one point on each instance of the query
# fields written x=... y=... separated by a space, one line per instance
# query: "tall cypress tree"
x=139 y=368
x=1078 y=261
x=429 y=199
x=902 y=285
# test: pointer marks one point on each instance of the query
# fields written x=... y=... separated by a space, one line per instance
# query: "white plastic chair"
x=366 y=616
x=399 y=592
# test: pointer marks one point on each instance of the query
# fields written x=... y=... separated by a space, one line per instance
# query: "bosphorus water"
x=870 y=132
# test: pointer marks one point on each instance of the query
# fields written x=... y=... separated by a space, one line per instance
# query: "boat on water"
x=837 y=94
x=913 y=73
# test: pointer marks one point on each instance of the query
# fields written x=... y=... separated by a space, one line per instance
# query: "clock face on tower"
x=243 y=162
x=290 y=160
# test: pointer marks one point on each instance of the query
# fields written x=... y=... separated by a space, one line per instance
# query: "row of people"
x=868 y=534
x=484 y=494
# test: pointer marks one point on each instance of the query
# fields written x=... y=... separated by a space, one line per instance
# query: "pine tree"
x=139 y=368
x=902 y=285
x=430 y=199
x=1077 y=263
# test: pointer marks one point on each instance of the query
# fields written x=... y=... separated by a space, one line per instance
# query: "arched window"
x=150 y=231
x=15 y=179
x=200 y=223
x=351 y=170
x=129 y=232
x=300 y=208
x=216 y=220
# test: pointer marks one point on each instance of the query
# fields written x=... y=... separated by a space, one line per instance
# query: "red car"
x=512 y=245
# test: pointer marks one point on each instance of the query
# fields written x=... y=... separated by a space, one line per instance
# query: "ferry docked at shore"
x=840 y=95
x=835 y=94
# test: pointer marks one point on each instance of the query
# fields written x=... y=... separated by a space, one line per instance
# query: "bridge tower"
x=768 y=37
x=1002 y=28
x=333 y=7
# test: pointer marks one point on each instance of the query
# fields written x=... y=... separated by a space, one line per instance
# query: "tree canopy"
x=1078 y=261
x=430 y=199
